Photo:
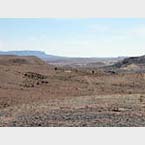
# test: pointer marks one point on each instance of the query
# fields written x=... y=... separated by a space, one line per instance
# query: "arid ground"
x=35 y=93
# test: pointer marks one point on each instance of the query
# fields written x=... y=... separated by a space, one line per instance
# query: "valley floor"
x=42 y=95
x=106 y=110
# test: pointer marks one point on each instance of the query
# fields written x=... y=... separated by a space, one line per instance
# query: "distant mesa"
x=40 y=54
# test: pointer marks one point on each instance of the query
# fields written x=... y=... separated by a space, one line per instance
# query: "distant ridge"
x=131 y=60
x=39 y=54
x=62 y=60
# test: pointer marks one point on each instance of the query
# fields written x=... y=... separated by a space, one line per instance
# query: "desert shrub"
x=42 y=82
x=37 y=83
x=55 y=68
x=46 y=82
x=141 y=99
x=33 y=75
x=25 y=74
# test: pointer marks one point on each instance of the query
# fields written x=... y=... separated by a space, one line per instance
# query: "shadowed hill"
x=19 y=60
x=131 y=60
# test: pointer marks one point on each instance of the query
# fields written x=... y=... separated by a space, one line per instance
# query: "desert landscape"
x=36 y=92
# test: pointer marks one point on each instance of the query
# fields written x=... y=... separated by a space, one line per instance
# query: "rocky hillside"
x=131 y=60
x=20 y=60
x=130 y=64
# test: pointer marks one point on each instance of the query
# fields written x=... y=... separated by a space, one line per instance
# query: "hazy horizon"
x=3 y=51
x=92 y=37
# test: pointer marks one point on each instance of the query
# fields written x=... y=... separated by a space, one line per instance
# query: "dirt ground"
x=40 y=94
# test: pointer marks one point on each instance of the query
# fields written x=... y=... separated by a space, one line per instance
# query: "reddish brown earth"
x=33 y=93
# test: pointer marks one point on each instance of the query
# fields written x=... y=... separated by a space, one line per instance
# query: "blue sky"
x=94 y=37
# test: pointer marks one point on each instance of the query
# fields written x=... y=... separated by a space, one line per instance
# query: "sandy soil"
x=33 y=93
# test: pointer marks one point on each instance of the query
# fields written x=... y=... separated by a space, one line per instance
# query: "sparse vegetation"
x=39 y=95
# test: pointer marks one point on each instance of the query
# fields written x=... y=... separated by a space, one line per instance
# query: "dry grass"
x=40 y=95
